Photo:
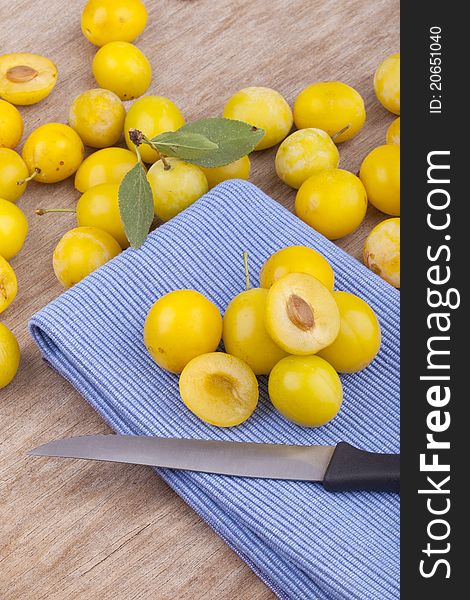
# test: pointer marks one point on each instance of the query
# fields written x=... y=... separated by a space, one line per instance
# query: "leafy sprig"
x=212 y=142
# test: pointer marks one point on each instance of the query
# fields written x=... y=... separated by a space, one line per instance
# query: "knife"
x=339 y=468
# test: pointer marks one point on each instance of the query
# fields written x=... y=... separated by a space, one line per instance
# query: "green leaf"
x=183 y=144
x=136 y=205
x=234 y=139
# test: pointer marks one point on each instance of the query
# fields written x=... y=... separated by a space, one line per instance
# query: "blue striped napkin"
x=303 y=542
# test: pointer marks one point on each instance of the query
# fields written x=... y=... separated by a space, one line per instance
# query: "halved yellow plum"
x=26 y=78
x=219 y=388
x=301 y=314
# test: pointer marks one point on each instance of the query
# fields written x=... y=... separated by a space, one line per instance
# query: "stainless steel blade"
x=246 y=459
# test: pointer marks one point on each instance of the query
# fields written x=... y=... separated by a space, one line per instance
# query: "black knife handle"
x=354 y=469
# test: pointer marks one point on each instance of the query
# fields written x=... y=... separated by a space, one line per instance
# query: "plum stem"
x=34 y=174
x=247 y=270
x=340 y=132
x=137 y=151
x=138 y=138
x=44 y=211
x=166 y=164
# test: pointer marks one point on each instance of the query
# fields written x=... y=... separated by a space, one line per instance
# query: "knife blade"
x=340 y=468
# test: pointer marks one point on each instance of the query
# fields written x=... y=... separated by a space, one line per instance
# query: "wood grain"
x=73 y=530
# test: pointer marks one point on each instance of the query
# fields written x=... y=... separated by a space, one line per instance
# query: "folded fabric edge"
x=258 y=560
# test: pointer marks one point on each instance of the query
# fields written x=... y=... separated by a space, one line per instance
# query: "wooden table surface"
x=104 y=531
